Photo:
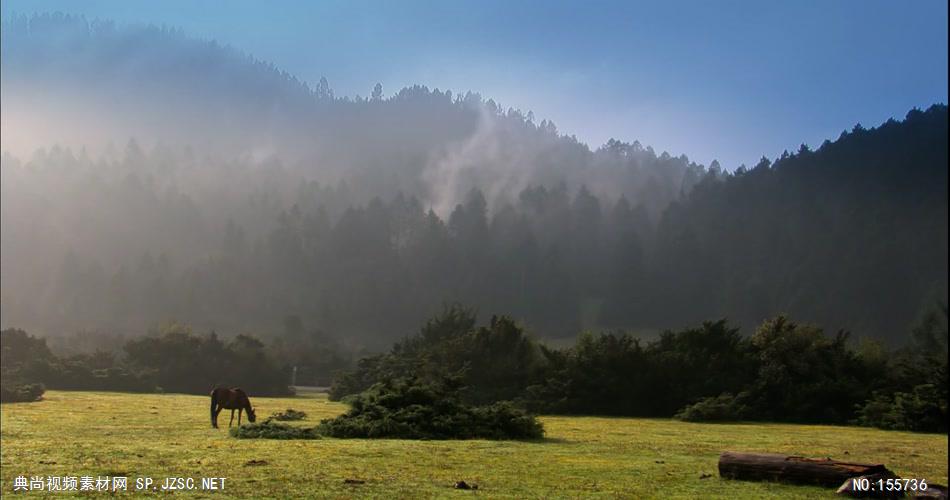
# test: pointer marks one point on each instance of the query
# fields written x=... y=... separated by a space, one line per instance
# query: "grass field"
x=112 y=434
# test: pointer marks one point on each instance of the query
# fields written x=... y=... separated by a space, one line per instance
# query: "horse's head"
x=250 y=414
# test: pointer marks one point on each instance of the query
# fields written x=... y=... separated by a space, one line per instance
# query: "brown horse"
x=232 y=399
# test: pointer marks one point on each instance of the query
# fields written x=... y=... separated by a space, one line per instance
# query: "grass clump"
x=722 y=408
x=270 y=430
x=413 y=409
x=289 y=415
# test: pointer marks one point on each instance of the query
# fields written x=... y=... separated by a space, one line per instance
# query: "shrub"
x=188 y=363
x=503 y=420
x=722 y=408
x=290 y=414
x=270 y=430
x=922 y=410
x=805 y=375
x=411 y=409
x=21 y=393
x=496 y=361
x=176 y=360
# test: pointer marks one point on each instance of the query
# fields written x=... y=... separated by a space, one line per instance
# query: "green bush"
x=270 y=430
x=174 y=359
x=923 y=410
x=722 y=408
x=502 y=420
x=411 y=409
x=290 y=414
x=181 y=361
x=496 y=361
x=21 y=393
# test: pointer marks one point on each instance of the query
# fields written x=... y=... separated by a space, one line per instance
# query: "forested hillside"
x=360 y=217
x=853 y=235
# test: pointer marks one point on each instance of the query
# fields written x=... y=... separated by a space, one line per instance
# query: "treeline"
x=784 y=371
x=172 y=360
x=858 y=224
x=853 y=235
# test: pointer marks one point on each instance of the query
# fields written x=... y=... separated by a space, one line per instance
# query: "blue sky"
x=726 y=80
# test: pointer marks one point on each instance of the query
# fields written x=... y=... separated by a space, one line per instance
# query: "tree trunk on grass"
x=790 y=469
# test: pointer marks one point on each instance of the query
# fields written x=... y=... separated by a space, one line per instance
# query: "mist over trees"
x=95 y=85
x=234 y=197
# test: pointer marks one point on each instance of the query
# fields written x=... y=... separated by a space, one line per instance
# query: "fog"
x=150 y=177
x=81 y=85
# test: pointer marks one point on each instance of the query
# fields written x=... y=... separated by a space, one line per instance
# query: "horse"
x=232 y=399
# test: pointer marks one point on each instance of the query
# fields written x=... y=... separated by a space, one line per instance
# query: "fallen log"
x=792 y=469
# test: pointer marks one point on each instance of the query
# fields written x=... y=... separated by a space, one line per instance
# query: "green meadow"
x=169 y=435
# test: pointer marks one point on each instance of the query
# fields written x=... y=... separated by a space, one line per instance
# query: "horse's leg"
x=232 y=418
x=215 y=408
x=240 y=410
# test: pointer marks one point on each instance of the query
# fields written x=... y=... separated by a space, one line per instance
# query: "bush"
x=503 y=420
x=496 y=361
x=21 y=393
x=411 y=409
x=805 y=375
x=174 y=359
x=923 y=410
x=368 y=371
x=290 y=414
x=722 y=408
x=270 y=430
x=191 y=364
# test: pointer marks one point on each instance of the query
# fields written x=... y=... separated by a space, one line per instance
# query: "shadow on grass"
x=551 y=440
x=273 y=430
